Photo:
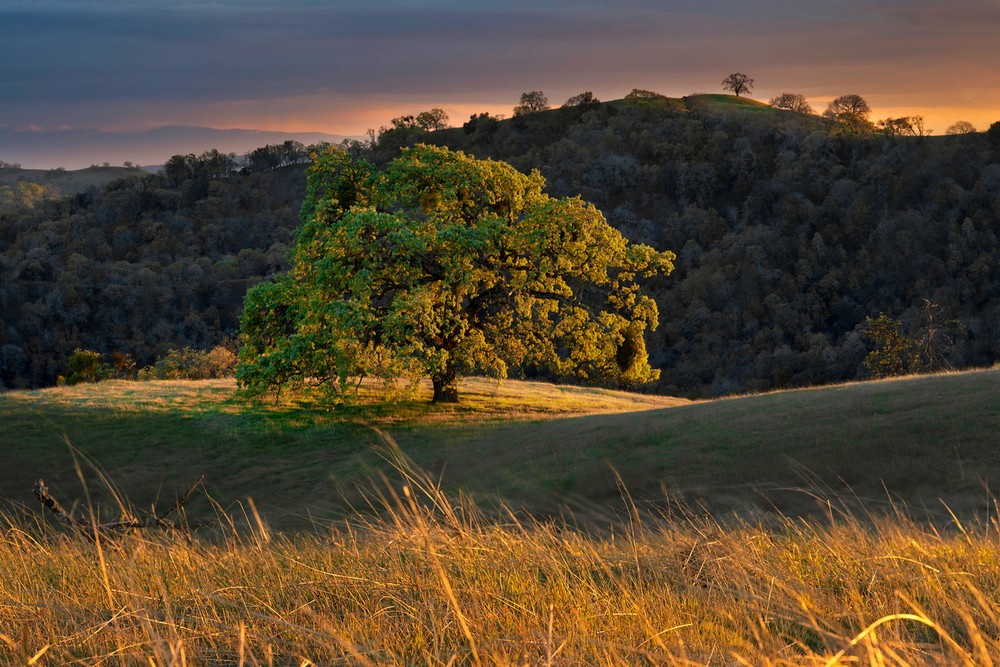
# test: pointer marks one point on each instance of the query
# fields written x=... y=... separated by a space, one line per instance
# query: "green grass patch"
x=536 y=446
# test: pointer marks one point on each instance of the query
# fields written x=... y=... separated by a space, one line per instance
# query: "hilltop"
x=68 y=182
x=544 y=448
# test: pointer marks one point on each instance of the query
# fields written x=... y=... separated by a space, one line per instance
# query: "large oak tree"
x=442 y=265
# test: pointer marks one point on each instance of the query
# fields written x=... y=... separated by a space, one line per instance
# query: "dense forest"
x=141 y=266
x=789 y=233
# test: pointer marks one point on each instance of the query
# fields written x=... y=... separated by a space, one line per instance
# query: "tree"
x=531 y=102
x=791 y=102
x=738 y=82
x=442 y=265
x=482 y=124
x=893 y=127
x=961 y=127
x=919 y=128
x=993 y=134
x=435 y=119
x=894 y=353
x=585 y=99
x=85 y=366
x=639 y=95
x=905 y=126
x=851 y=112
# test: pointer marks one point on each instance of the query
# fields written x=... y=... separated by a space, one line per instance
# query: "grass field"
x=919 y=440
x=694 y=566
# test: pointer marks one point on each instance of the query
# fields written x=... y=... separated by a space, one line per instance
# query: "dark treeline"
x=789 y=235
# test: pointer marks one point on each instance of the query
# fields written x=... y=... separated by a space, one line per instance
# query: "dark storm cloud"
x=120 y=51
x=83 y=51
x=141 y=63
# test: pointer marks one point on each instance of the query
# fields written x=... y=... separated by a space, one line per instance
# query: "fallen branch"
x=159 y=521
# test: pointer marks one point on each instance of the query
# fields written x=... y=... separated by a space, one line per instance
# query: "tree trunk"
x=445 y=386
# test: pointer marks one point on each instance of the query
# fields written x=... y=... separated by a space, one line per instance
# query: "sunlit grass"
x=434 y=581
x=482 y=399
x=426 y=576
x=536 y=446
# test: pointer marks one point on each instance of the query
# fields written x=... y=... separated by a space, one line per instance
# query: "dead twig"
x=159 y=521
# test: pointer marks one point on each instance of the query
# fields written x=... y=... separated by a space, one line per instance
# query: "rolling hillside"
x=789 y=234
x=68 y=182
x=539 y=447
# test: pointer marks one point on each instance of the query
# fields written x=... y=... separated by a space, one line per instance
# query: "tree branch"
x=161 y=521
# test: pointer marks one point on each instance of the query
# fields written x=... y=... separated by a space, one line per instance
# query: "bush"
x=189 y=364
x=86 y=366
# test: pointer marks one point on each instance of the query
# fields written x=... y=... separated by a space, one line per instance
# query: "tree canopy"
x=531 y=102
x=851 y=112
x=738 y=82
x=961 y=127
x=791 y=102
x=441 y=265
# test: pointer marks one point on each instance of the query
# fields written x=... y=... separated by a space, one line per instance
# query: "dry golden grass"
x=482 y=399
x=433 y=581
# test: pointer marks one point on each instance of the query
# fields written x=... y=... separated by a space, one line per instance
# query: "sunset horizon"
x=122 y=67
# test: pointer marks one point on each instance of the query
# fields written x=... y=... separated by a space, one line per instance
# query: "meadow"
x=530 y=524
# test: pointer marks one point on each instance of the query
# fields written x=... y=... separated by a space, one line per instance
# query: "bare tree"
x=961 y=127
x=738 y=82
x=919 y=128
x=792 y=102
x=894 y=127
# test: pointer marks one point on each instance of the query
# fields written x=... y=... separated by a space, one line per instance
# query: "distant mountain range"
x=77 y=149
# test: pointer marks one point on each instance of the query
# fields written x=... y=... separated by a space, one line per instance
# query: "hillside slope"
x=68 y=182
x=789 y=234
x=534 y=446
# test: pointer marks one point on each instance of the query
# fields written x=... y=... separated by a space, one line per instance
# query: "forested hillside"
x=141 y=266
x=789 y=233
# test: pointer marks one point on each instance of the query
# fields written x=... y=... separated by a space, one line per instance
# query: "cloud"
x=136 y=63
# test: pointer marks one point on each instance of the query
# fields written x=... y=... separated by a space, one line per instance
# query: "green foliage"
x=894 y=353
x=443 y=265
x=790 y=232
x=189 y=364
x=86 y=366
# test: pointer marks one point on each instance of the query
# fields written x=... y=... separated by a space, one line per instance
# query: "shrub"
x=189 y=364
x=86 y=366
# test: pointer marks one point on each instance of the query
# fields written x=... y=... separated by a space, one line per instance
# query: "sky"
x=118 y=71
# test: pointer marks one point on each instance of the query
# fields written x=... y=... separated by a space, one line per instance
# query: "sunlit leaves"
x=443 y=264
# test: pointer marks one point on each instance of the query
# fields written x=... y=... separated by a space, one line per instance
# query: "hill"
x=789 y=234
x=540 y=447
x=65 y=182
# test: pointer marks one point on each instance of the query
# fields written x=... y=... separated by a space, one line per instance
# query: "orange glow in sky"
x=341 y=68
